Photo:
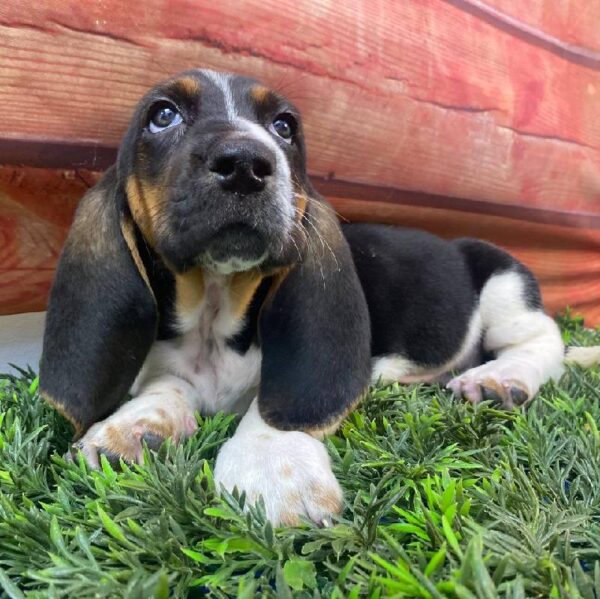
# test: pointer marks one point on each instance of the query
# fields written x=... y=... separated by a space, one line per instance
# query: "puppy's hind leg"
x=583 y=356
x=525 y=341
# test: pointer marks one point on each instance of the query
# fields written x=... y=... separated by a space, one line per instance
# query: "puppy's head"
x=213 y=166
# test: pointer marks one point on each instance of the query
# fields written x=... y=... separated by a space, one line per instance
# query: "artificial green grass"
x=442 y=500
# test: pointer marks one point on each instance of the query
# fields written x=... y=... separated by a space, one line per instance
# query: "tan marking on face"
x=189 y=291
x=146 y=204
x=60 y=408
x=242 y=288
x=301 y=202
x=260 y=93
x=189 y=86
x=326 y=222
x=329 y=501
x=129 y=236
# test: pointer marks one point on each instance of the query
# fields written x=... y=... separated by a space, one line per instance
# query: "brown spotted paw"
x=289 y=470
x=122 y=435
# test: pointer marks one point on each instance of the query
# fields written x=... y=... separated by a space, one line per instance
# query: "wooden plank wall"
x=463 y=117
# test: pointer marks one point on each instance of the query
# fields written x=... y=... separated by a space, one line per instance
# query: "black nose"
x=242 y=166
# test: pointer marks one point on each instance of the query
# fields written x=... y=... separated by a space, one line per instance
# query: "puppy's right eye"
x=164 y=116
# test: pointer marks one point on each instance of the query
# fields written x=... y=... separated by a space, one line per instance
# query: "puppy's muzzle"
x=242 y=166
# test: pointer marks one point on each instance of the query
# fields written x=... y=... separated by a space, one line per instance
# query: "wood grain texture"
x=37 y=205
x=572 y=21
x=463 y=117
x=36 y=209
x=421 y=95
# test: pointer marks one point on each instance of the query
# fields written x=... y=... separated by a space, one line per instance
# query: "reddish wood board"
x=437 y=98
x=449 y=107
x=36 y=207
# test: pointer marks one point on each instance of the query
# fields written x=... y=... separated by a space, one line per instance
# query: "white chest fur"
x=220 y=377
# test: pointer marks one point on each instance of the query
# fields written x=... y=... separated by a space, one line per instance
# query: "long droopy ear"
x=102 y=316
x=315 y=334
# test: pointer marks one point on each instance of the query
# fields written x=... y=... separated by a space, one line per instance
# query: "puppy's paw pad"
x=153 y=440
x=492 y=391
x=517 y=393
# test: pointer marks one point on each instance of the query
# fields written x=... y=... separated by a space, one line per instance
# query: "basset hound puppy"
x=204 y=273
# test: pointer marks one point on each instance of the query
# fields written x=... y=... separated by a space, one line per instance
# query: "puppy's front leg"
x=315 y=342
x=163 y=408
x=290 y=470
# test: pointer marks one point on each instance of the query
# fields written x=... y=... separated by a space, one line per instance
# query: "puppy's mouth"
x=234 y=248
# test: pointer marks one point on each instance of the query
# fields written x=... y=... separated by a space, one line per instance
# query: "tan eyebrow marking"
x=260 y=93
x=189 y=86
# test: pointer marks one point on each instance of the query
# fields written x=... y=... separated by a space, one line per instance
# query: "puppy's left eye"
x=163 y=117
x=285 y=126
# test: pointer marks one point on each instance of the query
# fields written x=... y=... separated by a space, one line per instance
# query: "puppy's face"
x=213 y=166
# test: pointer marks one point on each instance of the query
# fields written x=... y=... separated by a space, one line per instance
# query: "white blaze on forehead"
x=223 y=82
x=252 y=129
x=283 y=175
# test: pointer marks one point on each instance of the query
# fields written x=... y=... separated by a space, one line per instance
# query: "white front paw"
x=144 y=419
x=290 y=470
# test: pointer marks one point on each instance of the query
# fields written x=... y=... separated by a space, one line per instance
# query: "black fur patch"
x=314 y=334
x=422 y=290
x=418 y=288
x=101 y=317
x=162 y=281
